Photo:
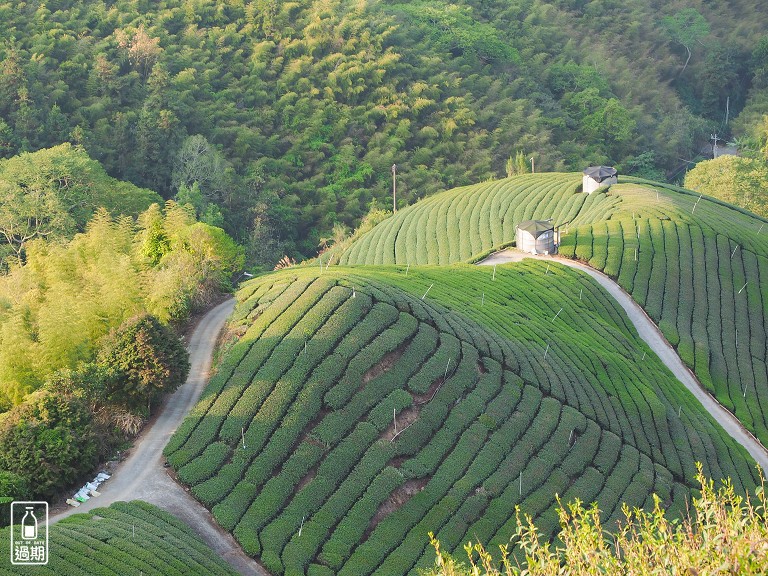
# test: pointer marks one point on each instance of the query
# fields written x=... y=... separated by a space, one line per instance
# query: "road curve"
x=142 y=475
x=652 y=336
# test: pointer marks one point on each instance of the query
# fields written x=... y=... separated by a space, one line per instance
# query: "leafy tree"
x=686 y=27
x=48 y=441
x=739 y=181
x=13 y=485
x=518 y=165
x=759 y=64
x=144 y=359
x=52 y=193
x=200 y=163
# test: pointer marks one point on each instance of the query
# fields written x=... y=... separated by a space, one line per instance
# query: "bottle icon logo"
x=29 y=533
x=29 y=524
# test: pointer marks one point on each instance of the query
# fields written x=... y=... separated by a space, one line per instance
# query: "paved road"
x=650 y=333
x=142 y=476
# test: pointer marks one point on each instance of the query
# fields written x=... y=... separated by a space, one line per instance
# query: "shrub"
x=48 y=441
x=145 y=359
x=725 y=529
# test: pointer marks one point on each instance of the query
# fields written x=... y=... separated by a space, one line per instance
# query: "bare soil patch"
x=397 y=499
x=384 y=365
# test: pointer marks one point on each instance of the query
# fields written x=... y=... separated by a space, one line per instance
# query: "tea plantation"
x=363 y=407
x=698 y=266
x=125 y=539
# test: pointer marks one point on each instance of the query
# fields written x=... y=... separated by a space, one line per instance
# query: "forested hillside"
x=281 y=119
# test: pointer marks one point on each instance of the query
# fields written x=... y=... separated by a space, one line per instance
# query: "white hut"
x=536 y=236
x=596 y=176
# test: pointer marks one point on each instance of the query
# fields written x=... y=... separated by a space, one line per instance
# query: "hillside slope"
x=125 y=538
x=305 y=106
x=697 y=266
x=503 y=390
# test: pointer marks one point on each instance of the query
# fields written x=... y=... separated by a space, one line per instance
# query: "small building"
x=536 y=237
x=596 y=176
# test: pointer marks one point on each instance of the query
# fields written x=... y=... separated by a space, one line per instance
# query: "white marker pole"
x=556 y=315
x=580 y=293
x=697 y=203
x=427 y=292
x=734 y=251
x=761 y=227
x=302 y=526
x=242 y=431
x=406 y=269
x=546 y=351
x=745 y=285
x=482 y=301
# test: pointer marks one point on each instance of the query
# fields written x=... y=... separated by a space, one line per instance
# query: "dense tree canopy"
x=739 y=181
x=52 y=193
x=47 y=441
x=288 y=116
x=56 y=307
x=143 y=359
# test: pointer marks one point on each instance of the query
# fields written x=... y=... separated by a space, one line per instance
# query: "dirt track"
x=142 y=475
x=652 y=336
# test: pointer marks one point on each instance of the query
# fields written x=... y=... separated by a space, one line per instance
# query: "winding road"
x=142 y=475
x=652 y=336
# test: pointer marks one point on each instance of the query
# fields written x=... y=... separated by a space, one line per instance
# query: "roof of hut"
x=536 y=227
x=600 y=173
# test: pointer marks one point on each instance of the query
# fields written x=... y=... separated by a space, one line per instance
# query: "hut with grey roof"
x=597 y=176
x=536 y=237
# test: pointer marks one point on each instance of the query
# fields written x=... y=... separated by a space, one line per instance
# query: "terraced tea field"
x=697 y=265
x=125 y=539
x=363 y=407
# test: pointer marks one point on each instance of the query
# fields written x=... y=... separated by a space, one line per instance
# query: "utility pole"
x=713 y=137
x=394 y=188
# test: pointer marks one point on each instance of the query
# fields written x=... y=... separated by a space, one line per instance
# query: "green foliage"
x=48 y=441
x=144 y=360
x=296 y=112
x=13 y=486
x=294 y=444
x=53 y=193
x=662 y=244
x=67 y=296
x=125 y=538
x=739 y=181
x=686 y=27
x=453 y=29
x=724 y=529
